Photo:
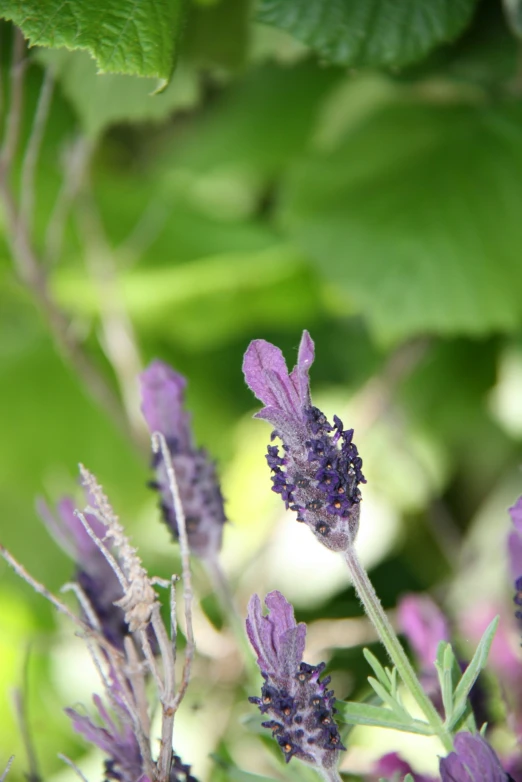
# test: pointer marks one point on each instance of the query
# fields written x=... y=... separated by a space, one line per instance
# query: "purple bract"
x=162 y=392
x=298 y=703
x=473 y=761
x=318 y=471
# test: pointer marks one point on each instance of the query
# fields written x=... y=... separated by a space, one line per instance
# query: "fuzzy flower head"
x=473 y=761
x=318 y=471
x=93 y=573
x=163 y=392
x=293 y=696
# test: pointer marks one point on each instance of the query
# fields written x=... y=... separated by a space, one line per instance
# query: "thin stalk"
x=380 y=621
x=221 y=586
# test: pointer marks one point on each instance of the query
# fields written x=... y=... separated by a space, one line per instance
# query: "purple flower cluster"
x=93 y=573
x=117 y=739
x=293 y=695
x=318 y=471
x=162 y=392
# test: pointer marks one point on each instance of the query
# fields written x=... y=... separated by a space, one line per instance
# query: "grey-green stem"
x=380 y=621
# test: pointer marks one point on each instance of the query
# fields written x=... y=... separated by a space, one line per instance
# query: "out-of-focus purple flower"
x=298 y=703
x=393 y=767
x=93 y=572
x=473 y=761
x=124 y=762
x=515 y=552
x=424 y=625
x=162 y=393
x=319 y=470
x=118 y=741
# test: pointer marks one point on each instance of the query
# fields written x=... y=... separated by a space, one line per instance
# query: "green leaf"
x=124 y=36
x=377 y=668
x=448 y=673
x=389 y=699
x=469 y=677
x=101 y=100
x=415 y=215
x=369 y=32
x=378 y=716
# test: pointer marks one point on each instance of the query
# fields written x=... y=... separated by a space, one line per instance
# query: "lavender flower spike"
x=473 y=761
x=298 y=703
x=162 y=392
x=319 y=470
x=93 y=573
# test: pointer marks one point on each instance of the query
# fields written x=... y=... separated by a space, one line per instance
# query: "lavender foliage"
x=162 y=391
x=293 y=696
x=318 y=470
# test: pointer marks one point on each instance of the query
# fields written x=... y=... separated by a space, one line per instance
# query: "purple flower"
x=117 y=739
x=298 y=703
x=424 y=625
x=392 y=766
x=93 y=573
x=119 y=743
x=515 y=552
x=318 y=471
x=473 y=761
x=162 y=392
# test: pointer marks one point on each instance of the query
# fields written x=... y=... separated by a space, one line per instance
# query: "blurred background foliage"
x=363 y=182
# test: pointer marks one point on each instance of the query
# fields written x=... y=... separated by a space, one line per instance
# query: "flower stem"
x=331 y=775
x=380 y=621
x=221 y=586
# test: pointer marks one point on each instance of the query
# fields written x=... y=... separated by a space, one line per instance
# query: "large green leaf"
x=369 y=32
x=416 y=217
x=101 y=100
x=124 y=36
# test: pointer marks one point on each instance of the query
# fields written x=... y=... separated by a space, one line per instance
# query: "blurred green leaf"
x=415 y=215
x=218 y=33
x=203 y=302
x=122 y=35
x=260 y=124
x=369 y=32
x=101 y=100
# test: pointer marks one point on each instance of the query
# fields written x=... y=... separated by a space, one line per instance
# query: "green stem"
x=380 y=621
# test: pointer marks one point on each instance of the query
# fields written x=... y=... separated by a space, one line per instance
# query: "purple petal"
x=516 y=514
x=473 y=761
x=424 y=625
x=266 y=374
x=162 y=393
x=300 y=372
x=276 y=638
